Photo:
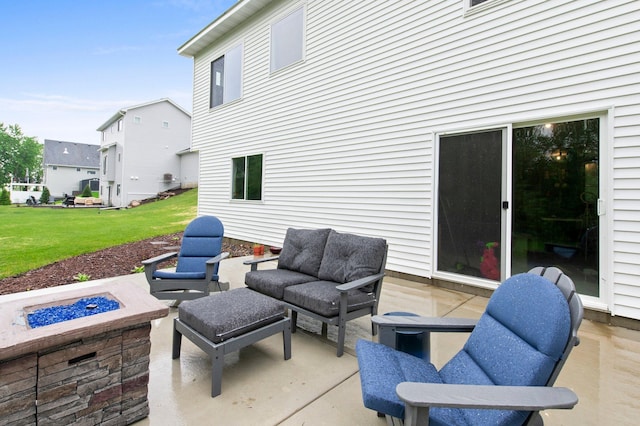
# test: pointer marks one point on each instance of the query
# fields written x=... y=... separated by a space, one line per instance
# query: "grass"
x=33 y=237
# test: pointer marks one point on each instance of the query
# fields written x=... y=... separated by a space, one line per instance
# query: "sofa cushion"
x=272 y=282
x=302 y=250
x=231 y=313
x=322 y=298
x=349 y=257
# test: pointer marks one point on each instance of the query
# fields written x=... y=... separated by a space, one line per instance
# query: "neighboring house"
x=480 y=138
x=143 y=150
x=69 y=167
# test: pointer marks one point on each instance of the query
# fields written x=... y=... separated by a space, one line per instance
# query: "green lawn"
x=32 y=237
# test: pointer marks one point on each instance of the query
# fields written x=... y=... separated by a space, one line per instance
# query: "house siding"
x=348 y=134
x=140 y=154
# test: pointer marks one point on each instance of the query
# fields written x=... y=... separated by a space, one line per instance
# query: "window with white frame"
x=137 y=119
x=120 y=125
x=287 y=40
x=226 y=77
x=165 y=124
x=246 y=178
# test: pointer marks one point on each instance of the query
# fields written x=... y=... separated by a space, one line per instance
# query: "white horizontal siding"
x=347 y=134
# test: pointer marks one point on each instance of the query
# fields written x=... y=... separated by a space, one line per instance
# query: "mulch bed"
x=110 y=262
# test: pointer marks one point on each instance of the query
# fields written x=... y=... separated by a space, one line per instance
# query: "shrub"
x=44 y=198
x=5 y=199
x=82 y=277
x=86 y=192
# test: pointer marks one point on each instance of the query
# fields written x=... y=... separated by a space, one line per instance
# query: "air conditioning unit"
x=168 y=177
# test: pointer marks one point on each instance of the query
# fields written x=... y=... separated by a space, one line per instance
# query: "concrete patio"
x=315 y=387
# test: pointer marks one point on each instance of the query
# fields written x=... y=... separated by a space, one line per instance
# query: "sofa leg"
x=341 y=333
x=177 y=342
x=294 y=321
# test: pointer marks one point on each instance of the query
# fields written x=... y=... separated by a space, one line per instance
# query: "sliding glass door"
x=498 y=217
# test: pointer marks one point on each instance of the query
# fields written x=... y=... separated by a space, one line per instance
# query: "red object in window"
x=489 y=262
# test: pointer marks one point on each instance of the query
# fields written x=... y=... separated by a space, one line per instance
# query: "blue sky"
x=68 y=65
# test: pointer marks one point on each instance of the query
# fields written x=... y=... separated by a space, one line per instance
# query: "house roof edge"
x=224 y=23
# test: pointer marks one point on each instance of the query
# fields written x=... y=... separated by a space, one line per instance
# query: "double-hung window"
x=226 y=77
x=287 y=40
x=247 y=178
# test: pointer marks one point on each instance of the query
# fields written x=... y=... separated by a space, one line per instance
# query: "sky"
x=66 y=66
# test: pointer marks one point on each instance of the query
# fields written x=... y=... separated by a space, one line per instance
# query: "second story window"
x=287 y=40
x=226 y=77
x=120 y=125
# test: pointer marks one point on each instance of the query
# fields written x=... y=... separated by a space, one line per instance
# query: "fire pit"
x=82 y=308
x=89 y=367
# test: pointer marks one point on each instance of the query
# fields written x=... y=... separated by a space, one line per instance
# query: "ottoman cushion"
x=231 y=313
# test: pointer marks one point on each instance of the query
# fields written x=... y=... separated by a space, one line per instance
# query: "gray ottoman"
x=226 y=322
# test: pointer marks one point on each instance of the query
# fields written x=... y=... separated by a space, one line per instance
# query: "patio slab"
x=315 y=387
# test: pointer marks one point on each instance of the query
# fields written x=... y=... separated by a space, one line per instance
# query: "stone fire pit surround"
x=92 y=370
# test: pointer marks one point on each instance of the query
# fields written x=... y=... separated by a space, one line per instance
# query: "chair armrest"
x=362 y=282
x=389 y=325
x=151 y=265
x=522 y=398
x=218 y=258
x=211 y=263
x=254 y=262
x=160 y=258
x=417 y=323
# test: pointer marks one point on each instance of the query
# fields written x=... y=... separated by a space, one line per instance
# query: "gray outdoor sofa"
x=330 y=276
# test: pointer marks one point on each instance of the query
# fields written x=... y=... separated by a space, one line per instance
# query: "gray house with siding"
x=480 y=138
x=69 y=166
x=146 y=149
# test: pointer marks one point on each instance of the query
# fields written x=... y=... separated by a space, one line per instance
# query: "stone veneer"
x=86 y=379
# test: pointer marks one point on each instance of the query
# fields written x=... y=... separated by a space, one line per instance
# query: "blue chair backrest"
x=202 y=240
x=518 y=341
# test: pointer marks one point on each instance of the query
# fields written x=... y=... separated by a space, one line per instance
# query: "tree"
x=86 y=192
x=5 y=199
x=20 y=156
x=44 y=198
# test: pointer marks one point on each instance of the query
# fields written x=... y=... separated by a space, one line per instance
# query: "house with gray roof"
x=69 y=166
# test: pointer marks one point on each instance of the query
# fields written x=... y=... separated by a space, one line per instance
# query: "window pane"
x=254 y=173
x=237 y=179
x=469 y=204
x=555 y=193
x=286 y=40
x=217 y=82
x=233 y=74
